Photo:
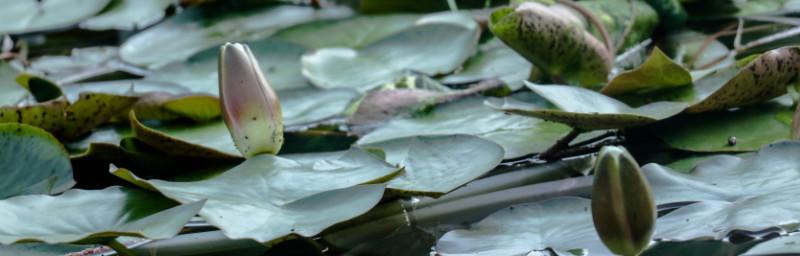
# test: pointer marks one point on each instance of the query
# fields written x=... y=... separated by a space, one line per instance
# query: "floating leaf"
x=39 y=249
x=776 y=246
x=279 y=61
x=657 y=72
x=554 y=42
x=41 y=89
x=23 y=16
x=437 y=44
x=563 y=225
x=752 y=128
x=209 y=140
x=355 y=32
x=82 y=64
x=437 y=165
x=34 y=162
x=128 y=15
x=92 y=216
x=268 y=197
x=588 y=110
x=493 y=60
x=130 y=87
x=518 y=135
x=191 y=31
x=764 y=78
x=10 y=92
x=752 y=192
x=69 y=121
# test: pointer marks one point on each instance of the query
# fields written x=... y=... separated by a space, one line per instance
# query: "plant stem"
x=120 y=248
x=560 y=145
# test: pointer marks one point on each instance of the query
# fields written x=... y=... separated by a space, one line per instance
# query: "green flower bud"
x=250 y=107
x=554 y=40
x=623 y=209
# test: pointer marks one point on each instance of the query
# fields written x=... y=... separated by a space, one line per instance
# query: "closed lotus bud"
x=623 y=209
x=250 y=107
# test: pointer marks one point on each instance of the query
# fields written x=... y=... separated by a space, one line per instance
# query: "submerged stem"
x=559 y=145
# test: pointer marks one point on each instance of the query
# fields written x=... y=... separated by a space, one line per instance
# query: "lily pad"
x=494 y=60
x=437 y=44
x=517 y=135
x=208 y=140
x=132 y=87
x=278 y=59
x=752 y=127
x=777 y=246
x=34 y=162
x=82 y=64
x=435 y=165
x=657 y=72
x=553 y=40
x=751 y=192
x=563 y=225
x=268 y=197
x=355 y=32
x=10 y=92
x=764 y=78
x=588 y=110
x=192 y=31
x=69 y=121
x=307 y=106
x=40 y=249
x=129 y=15
x=91 y=216
x=23 y=16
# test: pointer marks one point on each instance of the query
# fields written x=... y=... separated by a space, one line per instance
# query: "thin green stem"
x=120 y=248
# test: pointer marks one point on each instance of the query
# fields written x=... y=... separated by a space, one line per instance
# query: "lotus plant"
x=623 y=209
x=250 y=107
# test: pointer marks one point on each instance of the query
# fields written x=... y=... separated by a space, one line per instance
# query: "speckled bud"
x=623 y=209
x=250 y=107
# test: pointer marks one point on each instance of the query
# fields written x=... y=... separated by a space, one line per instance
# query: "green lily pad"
x=34 y=162
x=553 y=40
x=192 y=31
x=493 y=60
x=437 y=44
x=208 y=140
x=517 y=135
x=657 y=72
x=268 y=197
x=10 y=92
x=588 y=110
x=308 y=106
x=764 y=78
x=355 y=32
x=23 y=16
x=784 y=245
x=278 y=59
x=435 y=165
x=753 y=127
x=82 y=64
x=563 y=225
x=751 y=192
x=129 y=15
x=132 y=87
x=40 y=249
x=70 y=121
x=92 y=216
x=41 y=89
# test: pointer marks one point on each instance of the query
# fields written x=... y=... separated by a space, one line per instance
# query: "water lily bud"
x=623 y=209
x=250 y=107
